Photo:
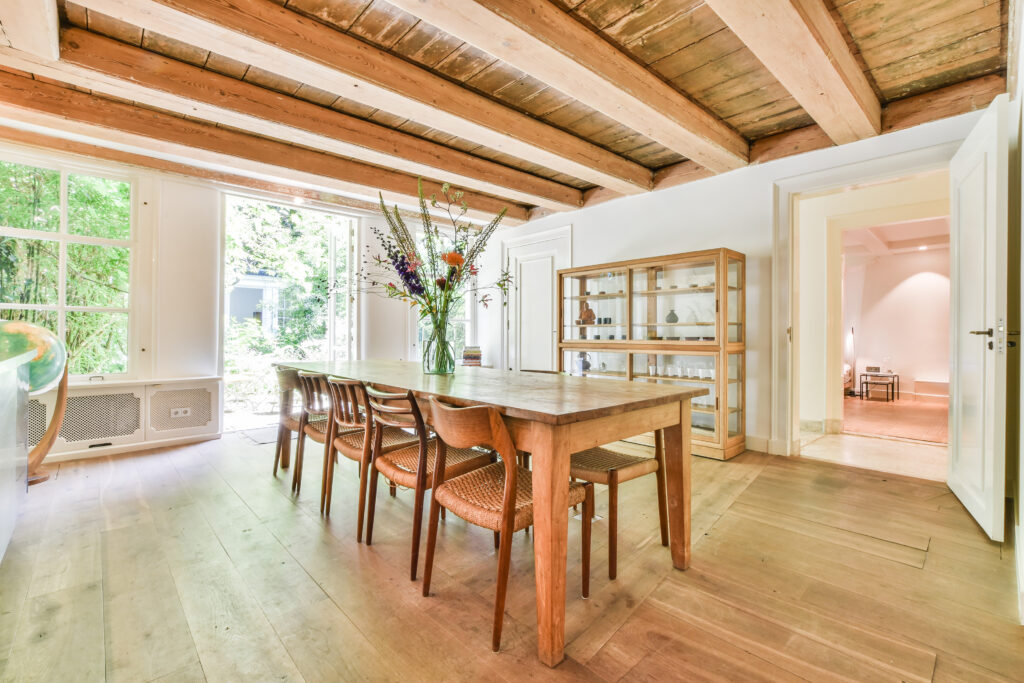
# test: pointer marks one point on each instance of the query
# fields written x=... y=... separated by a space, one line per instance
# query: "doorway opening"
x=288 y=283
x=873 y=326
x=896 y=330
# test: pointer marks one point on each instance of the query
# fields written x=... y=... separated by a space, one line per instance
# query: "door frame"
x=785 y=417
x=550 y=235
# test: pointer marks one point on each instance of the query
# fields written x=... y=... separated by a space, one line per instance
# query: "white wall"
x=734 y=210
x=384 y=324
x=898 y=306
x=187 y=261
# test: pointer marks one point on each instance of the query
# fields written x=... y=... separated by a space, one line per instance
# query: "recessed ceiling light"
x=922 y=248
x=298 y=200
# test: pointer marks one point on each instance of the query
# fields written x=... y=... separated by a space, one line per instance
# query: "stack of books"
x=471 y=356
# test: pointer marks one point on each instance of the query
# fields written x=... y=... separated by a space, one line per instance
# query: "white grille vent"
x=36 y=421
x=101 y=416
x=166 y=406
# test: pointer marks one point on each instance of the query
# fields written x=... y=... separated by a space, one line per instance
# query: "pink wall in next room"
x=898 y=307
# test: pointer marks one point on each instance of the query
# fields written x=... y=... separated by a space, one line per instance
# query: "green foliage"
x=289 y=243
x=97 y=275
x=99 y=207
x=29 y=197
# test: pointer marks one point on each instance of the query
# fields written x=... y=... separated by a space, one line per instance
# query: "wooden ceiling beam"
x=31 y=26
x=799 y=43
x=32 y=101
x=943 y=103
x=111 y=67
x=938 y=104
x=52 y=143
x=541 y=39
x=271 y=37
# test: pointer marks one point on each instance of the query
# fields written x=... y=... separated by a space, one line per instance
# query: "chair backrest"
x=397 y=409
x=478 y=426
x=349 y=403
x=316 y=399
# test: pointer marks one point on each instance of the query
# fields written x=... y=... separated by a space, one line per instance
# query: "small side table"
x=890 y=380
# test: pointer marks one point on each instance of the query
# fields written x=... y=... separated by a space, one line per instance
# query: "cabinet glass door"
x=605 y=364
x=691 y=370
x=594 y=306
x=734 y=390
x=675 y=302
x=735 y=299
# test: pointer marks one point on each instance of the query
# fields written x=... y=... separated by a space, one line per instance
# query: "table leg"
x=677 y=478
x=550 y=456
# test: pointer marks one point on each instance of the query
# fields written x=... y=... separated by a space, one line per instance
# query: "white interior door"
x=532 y=316
x=979 y=179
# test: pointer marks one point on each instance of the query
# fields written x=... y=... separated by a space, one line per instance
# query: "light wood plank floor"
x=904 y=419
x=193 y=563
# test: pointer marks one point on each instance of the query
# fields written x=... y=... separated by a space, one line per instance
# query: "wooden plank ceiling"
x=542 y=105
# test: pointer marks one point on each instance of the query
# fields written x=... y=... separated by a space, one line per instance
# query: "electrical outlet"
x=181 y=412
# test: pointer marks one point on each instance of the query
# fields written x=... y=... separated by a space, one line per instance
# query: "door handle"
x=985 y=333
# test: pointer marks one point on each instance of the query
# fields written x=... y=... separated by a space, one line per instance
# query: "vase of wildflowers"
x=433 y=269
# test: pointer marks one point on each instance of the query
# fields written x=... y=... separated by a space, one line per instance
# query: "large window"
x=65 y=260
x=289 y=296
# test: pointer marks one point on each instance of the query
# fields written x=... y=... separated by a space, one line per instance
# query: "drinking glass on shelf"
x=661 y=370
x=652 y=370
x=711 y=373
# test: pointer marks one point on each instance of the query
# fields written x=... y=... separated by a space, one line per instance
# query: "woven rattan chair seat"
x=477 y=496
x=596 y=464
x=350 y=443
x=316 y=427
x=400 y=466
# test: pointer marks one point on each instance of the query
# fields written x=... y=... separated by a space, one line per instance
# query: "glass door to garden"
x=289 y=296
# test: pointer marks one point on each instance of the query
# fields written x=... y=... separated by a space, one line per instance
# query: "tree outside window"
x=65 y=261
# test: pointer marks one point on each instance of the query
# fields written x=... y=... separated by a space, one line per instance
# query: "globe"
x=46 y=369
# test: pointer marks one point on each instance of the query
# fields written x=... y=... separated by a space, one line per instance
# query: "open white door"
x=979 y=185
x=532 y=316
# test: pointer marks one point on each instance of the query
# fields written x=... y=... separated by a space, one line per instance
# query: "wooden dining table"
x=553 y=416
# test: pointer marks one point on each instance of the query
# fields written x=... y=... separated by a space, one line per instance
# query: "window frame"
x=332 y=254
x=63 y=238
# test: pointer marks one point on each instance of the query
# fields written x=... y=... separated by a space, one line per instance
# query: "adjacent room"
x=896 y=325
x=604 y=340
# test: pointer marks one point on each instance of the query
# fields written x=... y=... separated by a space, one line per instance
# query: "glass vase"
x=438 y=350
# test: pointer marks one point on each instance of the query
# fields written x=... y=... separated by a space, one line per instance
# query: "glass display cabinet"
x=669 y=320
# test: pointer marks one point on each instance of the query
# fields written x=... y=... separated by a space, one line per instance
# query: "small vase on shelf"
x=672 y=317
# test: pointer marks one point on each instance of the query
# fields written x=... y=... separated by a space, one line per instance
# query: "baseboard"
x=812 y=426
x=879 y=394
x=127 y=448
x=1018 y=539
x=757 y=443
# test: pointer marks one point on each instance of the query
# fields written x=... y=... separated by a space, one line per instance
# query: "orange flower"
x=453 y=258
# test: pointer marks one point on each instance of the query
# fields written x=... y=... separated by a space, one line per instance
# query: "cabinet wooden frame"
x=719 y=444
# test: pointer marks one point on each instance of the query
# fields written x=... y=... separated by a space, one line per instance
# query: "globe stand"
x=41 y=449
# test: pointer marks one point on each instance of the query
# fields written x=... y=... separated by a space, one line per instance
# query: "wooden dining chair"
x=498 y=497
x=610 y=468
x=287 y=418
x=412 y=466
x=353 y=438
x=314 y=421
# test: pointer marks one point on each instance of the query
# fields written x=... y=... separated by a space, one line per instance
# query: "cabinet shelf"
x=715 y=341
x=584 y=297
